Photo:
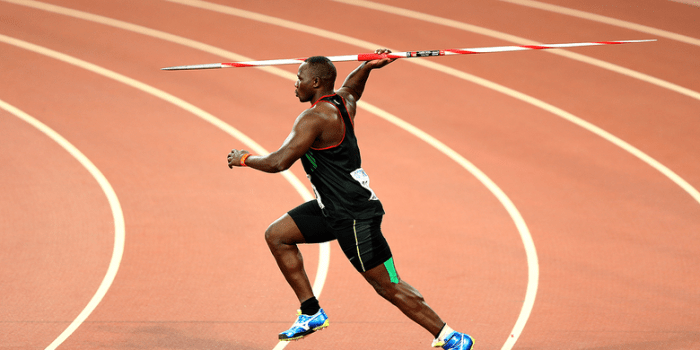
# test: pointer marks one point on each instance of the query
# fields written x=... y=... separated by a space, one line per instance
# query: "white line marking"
x=522 y=41
x=168 y=98
x=526 y=237
x=117 y=214
x=528 y=304
x=533 y=269
x=324 y=256
x=688 y=2
x=509 y=92
x=607 y=20
x=530 y=294
x=324 y=248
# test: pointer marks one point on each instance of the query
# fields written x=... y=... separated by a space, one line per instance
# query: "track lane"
x=683 y=208
x=48 y=212
x=481 y=146
x=146 y=195
x=689 y=207
x=645 y=13
x=646 y=57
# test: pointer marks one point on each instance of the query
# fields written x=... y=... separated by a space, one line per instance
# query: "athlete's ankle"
x=310 y=306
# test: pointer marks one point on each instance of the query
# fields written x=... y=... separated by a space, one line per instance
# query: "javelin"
x=407 y=54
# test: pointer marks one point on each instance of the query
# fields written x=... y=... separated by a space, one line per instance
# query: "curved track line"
x=667 y=172
x=529 y=245
x=533 y=269
x=523 y=97
x=522 y=41
x=325 y=249
x=324 y=256
x=607 y=20
x=117 y=214
x=525 y=235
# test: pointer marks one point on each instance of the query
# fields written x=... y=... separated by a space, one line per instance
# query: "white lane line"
x=521 y=226
x=608 y=20
x=168 y=98
x=506 y=91
x=533 y=269
x=527 y=308
x=117 y=214
x=688 y=2
x=528 y=243
x=324 y=248
x=523 y=41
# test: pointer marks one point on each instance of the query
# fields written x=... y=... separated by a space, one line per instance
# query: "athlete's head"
x=322 y=68
x=315 y=73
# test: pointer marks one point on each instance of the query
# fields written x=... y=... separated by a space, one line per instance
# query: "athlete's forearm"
x=271 y=163
x=356 y=80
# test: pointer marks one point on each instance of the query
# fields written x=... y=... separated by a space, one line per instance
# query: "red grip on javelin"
x=370 y=56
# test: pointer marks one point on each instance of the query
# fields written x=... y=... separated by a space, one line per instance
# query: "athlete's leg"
x=403 y=296
x=282 y=237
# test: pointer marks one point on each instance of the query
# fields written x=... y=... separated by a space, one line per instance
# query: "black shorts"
x=361 y=240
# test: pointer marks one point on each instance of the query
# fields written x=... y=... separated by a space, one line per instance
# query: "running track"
x=596 y=150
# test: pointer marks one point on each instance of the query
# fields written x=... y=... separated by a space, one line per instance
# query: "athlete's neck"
x=319 y=94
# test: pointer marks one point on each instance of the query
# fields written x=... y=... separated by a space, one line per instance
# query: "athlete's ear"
x=316 y=82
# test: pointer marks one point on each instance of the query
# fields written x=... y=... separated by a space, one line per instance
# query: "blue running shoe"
x=456 y=341
x=305 y=325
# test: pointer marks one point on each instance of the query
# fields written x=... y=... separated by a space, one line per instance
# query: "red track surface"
x=618 y=243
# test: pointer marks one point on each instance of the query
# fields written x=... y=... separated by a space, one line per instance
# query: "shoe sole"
x=301 y=335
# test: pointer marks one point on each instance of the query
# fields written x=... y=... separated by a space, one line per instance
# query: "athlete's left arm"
x=354 y=84
x=307 y=128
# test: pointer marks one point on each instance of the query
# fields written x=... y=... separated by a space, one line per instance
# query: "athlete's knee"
x=282 y=232
x=273 y=234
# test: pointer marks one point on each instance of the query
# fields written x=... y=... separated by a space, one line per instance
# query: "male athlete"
x=346 y=209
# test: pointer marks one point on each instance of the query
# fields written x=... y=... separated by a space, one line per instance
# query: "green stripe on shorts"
x=389 y=264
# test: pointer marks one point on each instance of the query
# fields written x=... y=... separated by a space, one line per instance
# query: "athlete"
x=346 y=209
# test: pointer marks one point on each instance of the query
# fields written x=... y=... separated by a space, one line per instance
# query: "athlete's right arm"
x=306 y=130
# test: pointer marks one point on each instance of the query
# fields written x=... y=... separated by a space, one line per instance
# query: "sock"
x=437 y=336
x=310 y=306
x=440 y=338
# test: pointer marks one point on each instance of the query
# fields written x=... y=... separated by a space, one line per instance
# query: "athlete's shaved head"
x=323 y=68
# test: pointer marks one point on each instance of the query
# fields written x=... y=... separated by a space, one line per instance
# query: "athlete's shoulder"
x=347 y=95
x=324 y=107
x=349 y=101
x=317 y=116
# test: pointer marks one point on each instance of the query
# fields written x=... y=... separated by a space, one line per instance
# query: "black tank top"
x=340 y=184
